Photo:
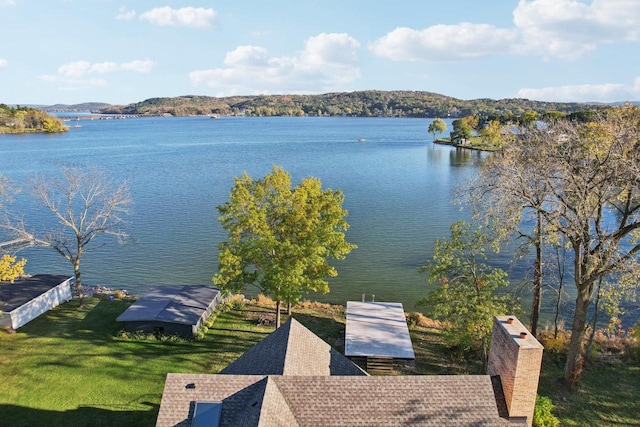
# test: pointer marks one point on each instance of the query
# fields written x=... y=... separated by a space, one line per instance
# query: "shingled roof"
x=254 y=400
x=293 y=378
x=292 y=350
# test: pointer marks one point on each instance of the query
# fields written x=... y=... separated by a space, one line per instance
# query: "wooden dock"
x=14 y=243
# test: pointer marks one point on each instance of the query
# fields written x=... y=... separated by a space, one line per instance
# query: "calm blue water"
x=398 y=189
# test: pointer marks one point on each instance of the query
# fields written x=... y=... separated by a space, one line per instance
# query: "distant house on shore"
x=25 y=299
x=292 y=378
x=171 y=309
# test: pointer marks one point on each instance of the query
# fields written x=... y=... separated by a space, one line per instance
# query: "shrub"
x=236 y=302
x=636 y=337
x=557 y=345
x=119 y=295
x=418 y=319
x=210 y=320
x=315 y=305
x=233 y=302
x=542 y=414
x=264 y=301
x=151 y=336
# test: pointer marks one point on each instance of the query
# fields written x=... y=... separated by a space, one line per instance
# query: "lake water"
x=398 y=188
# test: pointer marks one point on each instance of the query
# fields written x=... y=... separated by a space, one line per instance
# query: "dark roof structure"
x=21 y=291
x=292 y=350
x=172 y=309
x=293 y=378
x=171 y=304
x=254 y=400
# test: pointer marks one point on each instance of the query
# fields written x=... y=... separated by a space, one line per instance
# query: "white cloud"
x=126 y=15
x=567 y=29
x=104 y=67
x=3 y=63
x=80 y=69
x=82 y=74
x=570 y=29
x=248 y=56
x=74 y=69
x=326 y=49
x=138 y=66
x=326 y=62
x=608 y=92
x=7 y=2
x=48 y=78
x=184 y=17
x=444 y=42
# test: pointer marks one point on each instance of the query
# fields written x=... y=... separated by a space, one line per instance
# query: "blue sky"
x=72 y=51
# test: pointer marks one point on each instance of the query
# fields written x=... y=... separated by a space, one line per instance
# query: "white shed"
x=25 y=299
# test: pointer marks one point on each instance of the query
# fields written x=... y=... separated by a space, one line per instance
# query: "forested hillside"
x=361 y=104
x=76 y=108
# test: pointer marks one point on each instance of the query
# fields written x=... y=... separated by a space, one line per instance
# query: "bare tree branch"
x=85 y=203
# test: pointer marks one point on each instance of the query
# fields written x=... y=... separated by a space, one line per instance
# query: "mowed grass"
x=70 y=367
x=609 y=394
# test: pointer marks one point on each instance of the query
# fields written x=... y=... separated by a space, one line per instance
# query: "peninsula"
x=28 y=120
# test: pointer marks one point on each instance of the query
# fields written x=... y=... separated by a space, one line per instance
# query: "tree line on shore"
x=491 y=132
x=371 y=103
x=26 y=119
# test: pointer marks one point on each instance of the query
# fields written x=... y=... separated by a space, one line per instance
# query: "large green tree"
x=581 y=181
x=463 y=129
x=468 y=295
x=280 y=238
x=437 y=126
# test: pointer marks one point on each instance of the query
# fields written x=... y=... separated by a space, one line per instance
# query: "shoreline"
x=468 y=147
x=89 y=291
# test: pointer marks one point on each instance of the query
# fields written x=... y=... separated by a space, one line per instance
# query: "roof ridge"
x=288 y=355
x=271 y=391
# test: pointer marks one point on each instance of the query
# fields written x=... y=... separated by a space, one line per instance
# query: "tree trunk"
x=76 y=271
x=278 y=304
x=288 y=309
x=537 y=280
x=594 y=323
x=557 y=313
x=560 y=286
x=575 y=359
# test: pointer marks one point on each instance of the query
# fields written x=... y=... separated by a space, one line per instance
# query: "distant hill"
x=620 y=104
x=92 y=107
x=362 y=104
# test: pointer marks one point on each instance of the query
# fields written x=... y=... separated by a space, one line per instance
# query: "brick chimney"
x=516 y=357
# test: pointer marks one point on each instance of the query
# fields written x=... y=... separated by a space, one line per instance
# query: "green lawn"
x=609 y=395
x=68 y=367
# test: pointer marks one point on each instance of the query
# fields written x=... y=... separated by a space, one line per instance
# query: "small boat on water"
x=361 y=139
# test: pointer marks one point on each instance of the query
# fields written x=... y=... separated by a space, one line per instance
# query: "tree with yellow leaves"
x=581 y=181
x=280 y=238
x=10 y=269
